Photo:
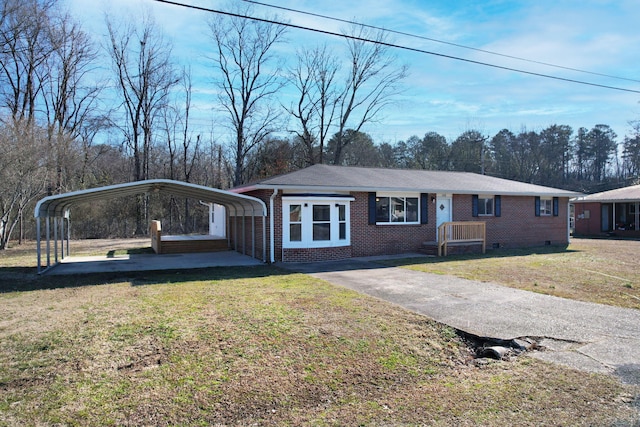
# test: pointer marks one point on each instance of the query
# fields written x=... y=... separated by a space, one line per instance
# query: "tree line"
x=68 y=123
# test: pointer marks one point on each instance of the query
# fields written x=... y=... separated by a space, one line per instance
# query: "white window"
x=315 y=222
x=397 y=209
x=485 y=206
x=546 y=207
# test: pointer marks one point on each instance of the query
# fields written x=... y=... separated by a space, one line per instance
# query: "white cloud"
x=446 y=95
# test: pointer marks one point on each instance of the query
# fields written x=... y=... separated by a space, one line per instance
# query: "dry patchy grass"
x=594 y=270
x=261 y=346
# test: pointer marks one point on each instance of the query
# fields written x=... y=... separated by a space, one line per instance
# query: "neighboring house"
x=331 y=212
x=614 y=213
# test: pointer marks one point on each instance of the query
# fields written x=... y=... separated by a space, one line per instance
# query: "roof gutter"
x=334 y=189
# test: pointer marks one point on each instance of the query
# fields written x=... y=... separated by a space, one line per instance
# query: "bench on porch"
x=184 y=243
x=461 y=233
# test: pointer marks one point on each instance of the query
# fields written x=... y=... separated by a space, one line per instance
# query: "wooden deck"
x=186 y=243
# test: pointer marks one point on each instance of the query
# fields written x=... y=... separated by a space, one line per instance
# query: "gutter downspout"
x=272 y=244
x=569 y=220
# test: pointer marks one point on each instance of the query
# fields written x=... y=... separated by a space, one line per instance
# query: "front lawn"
x=261 y=346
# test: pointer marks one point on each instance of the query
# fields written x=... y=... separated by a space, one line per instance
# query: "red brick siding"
x=316 y=254
x=368 y=240
x=588 y=226
x=518 y=226
x=236 y=228
x=248 y=246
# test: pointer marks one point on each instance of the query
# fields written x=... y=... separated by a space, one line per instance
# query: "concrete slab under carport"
x=150 y=262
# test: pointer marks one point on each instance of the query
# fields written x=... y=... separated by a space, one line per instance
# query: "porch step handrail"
x=461 y=232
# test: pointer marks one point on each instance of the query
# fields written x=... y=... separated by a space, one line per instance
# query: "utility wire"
x=346 y=21
x=392 y=45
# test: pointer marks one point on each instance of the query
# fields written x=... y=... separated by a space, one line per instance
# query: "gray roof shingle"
x=629 y=194
x=342 y=178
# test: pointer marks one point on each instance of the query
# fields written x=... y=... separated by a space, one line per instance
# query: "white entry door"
x=443 y=210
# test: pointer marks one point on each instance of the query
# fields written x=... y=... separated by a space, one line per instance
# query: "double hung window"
x=546 y=206
x=485 y=206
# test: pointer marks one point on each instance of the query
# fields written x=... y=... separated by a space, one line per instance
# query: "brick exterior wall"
x=516 y=227
x=369 y=240
x=316 y=254
x=588 y=226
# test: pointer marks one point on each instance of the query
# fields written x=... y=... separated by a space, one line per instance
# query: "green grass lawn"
x=262 y=346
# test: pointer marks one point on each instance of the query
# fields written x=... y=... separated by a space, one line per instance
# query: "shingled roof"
x=625 y=194
x=322 y=178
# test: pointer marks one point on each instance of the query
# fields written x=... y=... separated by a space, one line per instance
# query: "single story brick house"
x=327 y=212
x=613 y=213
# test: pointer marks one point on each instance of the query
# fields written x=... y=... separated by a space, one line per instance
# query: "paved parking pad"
x=150 y=262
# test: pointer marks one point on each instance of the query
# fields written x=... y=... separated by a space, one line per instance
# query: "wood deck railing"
x=459 y=233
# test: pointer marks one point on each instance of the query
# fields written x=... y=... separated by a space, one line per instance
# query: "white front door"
x=443 y=210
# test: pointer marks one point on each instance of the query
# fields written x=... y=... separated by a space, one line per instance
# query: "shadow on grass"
x=24 y=279
x=490 y=254
x=133 y=251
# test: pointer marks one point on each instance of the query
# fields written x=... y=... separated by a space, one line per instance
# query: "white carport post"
x=235 y=226
x=244 y=237
x=264 y=238
x=253 y=231
x=68 y=215
x=48 y=230
x=38 y=250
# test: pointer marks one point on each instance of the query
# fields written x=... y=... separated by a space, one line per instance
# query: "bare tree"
x=144 y=77
x=314 y=76
x=182 y=145
x=69 y=97
x=26 y=44
x=373 y=80
x=22 y=173
x=248 y=81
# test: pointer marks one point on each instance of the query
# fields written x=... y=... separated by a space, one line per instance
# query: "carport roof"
x=57 y=205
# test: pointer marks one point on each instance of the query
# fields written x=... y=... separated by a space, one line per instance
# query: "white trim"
x=272 y=240
x=400 y=195
x=318 y=198
x=550 y=199
x=493 y=204
x=307 y=204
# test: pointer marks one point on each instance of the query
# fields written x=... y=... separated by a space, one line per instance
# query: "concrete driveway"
x=585 y=336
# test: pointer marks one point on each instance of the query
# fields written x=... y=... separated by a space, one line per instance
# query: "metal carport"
x=58 y=208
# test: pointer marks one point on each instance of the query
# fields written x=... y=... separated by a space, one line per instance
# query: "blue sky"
x=444 y=95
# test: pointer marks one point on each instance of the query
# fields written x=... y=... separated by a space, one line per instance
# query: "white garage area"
x=53 y=215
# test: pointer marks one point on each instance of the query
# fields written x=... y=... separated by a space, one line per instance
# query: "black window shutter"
x=498 y=205
x=474 y=205
x=556 y=206
x=372 y=208
x=537 y=206
x=424 y=208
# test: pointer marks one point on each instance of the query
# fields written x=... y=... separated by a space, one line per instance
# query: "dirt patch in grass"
x=593 y=270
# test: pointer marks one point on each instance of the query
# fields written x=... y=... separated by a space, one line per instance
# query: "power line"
x=402 y=33
x=393 y=45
